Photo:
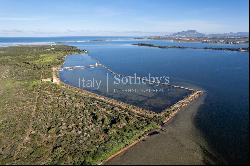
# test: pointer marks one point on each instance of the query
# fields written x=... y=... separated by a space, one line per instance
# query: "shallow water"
x=129 y=89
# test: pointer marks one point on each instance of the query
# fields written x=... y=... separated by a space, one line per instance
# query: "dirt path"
x=30 y=128
x=55 y=79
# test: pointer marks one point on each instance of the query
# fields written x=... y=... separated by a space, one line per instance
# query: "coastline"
x=157 y=121
x=168 y=114
x=147 y=134
x=178 y=134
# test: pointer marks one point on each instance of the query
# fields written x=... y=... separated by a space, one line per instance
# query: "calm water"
x=223 y=119
x=127 y=88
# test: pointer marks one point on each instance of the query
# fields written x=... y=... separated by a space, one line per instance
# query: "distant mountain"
x=196 y=34
x=231 y=34
x=188 y=33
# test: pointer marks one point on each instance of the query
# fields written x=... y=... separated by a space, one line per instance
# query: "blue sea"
x=224 y=117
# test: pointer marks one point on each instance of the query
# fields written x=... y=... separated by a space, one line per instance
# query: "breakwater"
x=170 y=112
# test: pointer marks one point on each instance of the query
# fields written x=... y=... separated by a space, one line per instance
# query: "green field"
x=45 y=123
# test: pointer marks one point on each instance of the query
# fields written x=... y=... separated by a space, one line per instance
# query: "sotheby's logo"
x=132 y=83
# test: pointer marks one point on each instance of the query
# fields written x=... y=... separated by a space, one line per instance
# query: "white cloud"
x=144 y=27
x=20 y=18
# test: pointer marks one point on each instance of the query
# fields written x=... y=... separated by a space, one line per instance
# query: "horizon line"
x=115 y=35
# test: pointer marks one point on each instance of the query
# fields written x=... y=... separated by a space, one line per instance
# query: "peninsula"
x=54 y=123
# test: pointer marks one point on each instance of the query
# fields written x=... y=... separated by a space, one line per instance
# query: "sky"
x=121 y=17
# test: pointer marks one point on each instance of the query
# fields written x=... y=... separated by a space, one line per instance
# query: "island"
x=244 y=49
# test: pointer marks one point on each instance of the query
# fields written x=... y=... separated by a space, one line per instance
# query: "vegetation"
x=45 y=123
